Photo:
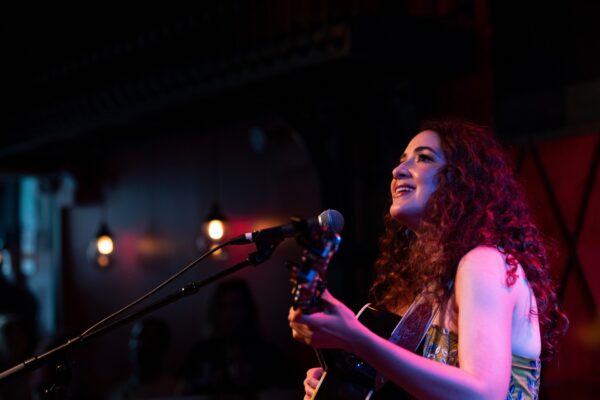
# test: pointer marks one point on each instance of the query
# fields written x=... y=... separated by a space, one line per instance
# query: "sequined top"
x=441 y=345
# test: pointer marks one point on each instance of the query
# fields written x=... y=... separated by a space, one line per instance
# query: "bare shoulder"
x=483 y=267
x=483 y=258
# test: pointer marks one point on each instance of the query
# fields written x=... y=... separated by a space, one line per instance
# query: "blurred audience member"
x=234 y=362
x=18 y=321
x=17 y=341
x=148 y=344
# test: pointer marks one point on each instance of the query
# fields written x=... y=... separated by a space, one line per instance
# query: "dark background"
x=273 y=109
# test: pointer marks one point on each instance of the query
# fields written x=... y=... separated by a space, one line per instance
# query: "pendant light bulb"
x=104 y=241
x=216 y=229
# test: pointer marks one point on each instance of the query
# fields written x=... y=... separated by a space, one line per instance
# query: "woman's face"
x=414 y=178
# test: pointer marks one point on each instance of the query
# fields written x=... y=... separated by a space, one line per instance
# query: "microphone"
x=330 y=219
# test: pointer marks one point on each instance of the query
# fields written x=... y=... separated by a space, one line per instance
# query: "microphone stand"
x=263 y=252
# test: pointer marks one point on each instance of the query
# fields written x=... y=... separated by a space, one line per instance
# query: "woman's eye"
x=424 y=157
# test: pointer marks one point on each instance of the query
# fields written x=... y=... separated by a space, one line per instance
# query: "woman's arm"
x=485 y=307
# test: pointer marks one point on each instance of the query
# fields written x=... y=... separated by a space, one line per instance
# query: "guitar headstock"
x=308 y=278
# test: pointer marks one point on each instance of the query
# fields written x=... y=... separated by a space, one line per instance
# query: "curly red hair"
x=478 y=202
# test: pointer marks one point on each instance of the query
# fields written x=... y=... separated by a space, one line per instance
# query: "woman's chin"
x=403 y=217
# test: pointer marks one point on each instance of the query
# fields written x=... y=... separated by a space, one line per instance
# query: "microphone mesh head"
x=332 y=219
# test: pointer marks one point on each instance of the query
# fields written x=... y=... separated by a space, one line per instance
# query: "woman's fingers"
x=313 y=376
x=298 y=318
x=294 y=314
x=302 y=333
x=311 y=382
x=308 y=391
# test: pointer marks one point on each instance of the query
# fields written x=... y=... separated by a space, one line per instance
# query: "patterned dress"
x=442 y=345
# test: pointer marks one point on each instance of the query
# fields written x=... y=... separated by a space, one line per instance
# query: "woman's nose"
x=400 y=171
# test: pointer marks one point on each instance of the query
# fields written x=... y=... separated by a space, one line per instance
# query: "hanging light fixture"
x=104 y=246
x=104 y=241
x=214 y=225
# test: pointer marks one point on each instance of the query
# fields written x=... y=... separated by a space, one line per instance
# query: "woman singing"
x=459 y=235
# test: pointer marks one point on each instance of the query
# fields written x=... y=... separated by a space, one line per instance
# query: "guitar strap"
x=411 y=329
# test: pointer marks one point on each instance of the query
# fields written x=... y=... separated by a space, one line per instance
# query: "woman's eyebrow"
x=419 y=149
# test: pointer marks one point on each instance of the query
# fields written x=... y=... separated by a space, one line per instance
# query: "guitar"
x=346 y=376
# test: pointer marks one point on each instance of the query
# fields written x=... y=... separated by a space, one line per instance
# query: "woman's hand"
x=313 y=376
x=335 y=327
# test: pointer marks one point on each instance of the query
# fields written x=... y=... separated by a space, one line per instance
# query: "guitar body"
x=346 y=376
